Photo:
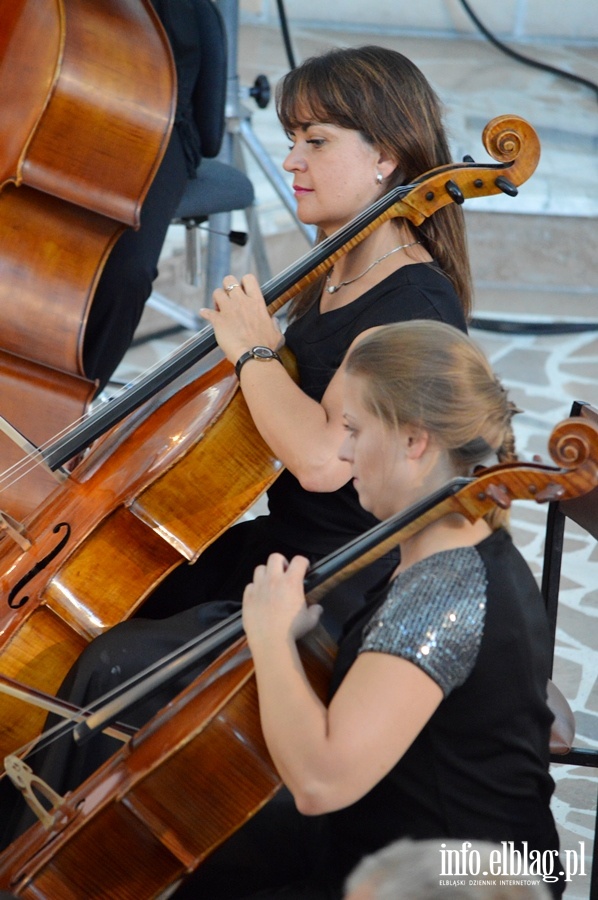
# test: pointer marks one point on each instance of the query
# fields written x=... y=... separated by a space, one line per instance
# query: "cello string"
x=384 y=204
x=35 y=459
x=319 y=573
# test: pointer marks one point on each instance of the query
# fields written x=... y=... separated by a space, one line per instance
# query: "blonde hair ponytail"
x=429 y=374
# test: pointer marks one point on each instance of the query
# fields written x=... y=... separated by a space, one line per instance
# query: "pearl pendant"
x=332 y=289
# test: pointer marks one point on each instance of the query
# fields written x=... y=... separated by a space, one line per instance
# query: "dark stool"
x=218 y=188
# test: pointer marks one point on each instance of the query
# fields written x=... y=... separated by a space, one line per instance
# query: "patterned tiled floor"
x=544 y=375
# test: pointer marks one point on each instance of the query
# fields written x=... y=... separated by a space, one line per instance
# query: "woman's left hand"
x=274 y=607
x=240 y=318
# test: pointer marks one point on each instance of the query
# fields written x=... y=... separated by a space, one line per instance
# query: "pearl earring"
x=379 y=177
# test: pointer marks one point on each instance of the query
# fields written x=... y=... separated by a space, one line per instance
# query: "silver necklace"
x=333 y=288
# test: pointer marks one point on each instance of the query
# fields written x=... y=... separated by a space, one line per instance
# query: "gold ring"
x=231 y=287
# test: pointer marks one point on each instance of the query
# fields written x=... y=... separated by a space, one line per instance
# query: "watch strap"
x=252 y=354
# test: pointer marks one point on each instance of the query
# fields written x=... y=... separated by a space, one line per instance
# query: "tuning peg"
x=550 y=493
x=506 y=186
x=499 y=494
x=468 y=159
x=454 y=192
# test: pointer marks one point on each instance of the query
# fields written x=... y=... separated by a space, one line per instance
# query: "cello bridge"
x=27 y=782
x=14 y=530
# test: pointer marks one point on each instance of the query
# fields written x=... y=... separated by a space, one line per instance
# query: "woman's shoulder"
x=415 y=291
x=434 y=615
x=443 y=572
x=422 y=275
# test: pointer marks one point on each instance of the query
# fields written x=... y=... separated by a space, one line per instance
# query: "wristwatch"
x=263 y=353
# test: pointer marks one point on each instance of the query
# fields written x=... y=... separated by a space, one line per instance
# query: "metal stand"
x=239 y=130
x=238 y=135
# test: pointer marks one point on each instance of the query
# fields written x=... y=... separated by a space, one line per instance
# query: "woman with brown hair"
x=360 y=121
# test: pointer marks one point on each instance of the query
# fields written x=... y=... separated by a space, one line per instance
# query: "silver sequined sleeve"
x=433 y=616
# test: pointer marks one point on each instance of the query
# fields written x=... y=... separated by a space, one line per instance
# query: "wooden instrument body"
x=165 y=801
x=87 y=93
x=147 y=498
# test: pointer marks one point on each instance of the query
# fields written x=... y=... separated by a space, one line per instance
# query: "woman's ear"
x=386 y=165
x=417 y=441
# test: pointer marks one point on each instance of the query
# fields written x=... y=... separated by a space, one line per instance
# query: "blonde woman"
x=437 y=724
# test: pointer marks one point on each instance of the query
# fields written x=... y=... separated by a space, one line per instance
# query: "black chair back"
x=584 y=511
x=209 y=96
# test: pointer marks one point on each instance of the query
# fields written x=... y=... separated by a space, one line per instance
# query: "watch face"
x=262 y=352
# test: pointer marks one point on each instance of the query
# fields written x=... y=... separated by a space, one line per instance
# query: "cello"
x=147 y=497
x=200 y=768
x=87 y=92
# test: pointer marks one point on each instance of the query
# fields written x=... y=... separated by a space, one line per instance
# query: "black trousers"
x=126 y=280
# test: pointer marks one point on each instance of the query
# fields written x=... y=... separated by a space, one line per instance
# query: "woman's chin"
x=363 y=500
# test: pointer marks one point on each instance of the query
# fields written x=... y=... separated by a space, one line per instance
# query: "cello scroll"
x=511 y=140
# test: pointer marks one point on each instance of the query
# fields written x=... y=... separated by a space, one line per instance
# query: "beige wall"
x=518 y=20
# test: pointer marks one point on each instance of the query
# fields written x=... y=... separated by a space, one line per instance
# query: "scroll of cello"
x=87 y=93
x=200 y=768
x=175 y=473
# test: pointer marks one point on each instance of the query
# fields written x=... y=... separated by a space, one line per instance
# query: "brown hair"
x=429 y=374
x=384 y=96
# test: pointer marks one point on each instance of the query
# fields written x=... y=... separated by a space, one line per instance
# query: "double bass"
x=87 y=93
x=148 y=496
x=200 y=768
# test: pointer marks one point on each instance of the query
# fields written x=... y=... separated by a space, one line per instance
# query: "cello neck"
x=507 y=138
x=277 y=291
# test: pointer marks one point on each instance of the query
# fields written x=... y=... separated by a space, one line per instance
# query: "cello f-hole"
x=40 y=566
